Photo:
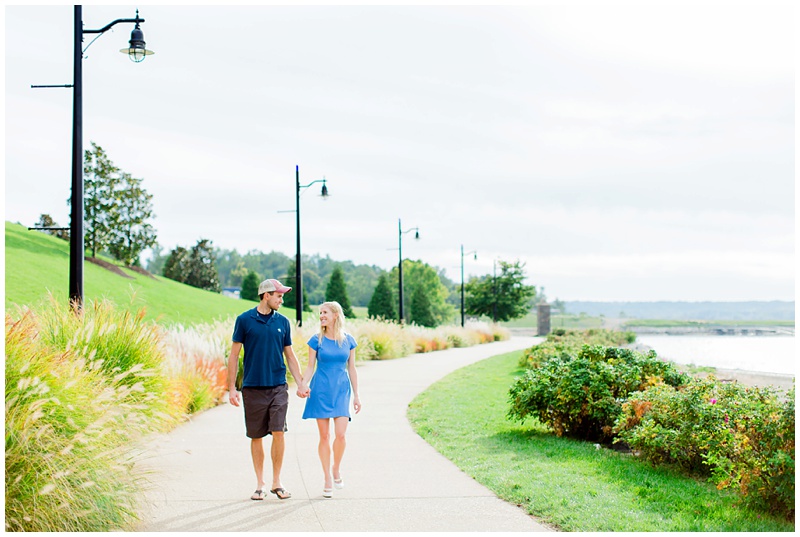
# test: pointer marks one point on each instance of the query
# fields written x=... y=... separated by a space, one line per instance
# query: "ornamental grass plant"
x=70 y=428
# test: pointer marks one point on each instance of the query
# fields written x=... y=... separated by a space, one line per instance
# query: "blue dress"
x=330 y=385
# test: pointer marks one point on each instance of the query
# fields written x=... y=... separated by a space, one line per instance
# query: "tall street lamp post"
x=475 y=257
x=298 y=273
x=137 y=52
x=494 y=290
x=400 y=233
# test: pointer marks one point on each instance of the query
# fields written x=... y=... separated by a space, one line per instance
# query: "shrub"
x=736 y=436
x=569 y=342
x=582 y=396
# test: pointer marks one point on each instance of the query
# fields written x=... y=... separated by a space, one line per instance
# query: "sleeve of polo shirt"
x=238 y=331
x=287 y=335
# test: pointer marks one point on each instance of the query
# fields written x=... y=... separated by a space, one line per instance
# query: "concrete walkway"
x=203 y=477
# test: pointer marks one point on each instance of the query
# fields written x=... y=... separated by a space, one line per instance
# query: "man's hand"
x=302 y=391
x=233 y=396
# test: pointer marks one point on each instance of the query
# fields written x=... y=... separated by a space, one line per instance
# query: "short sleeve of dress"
x=313 y=342
x=352 y=341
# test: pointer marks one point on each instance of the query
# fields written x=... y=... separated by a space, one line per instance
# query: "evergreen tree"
x=202 y=268
x=421 y=313
x=381 y=305
x=195 y=267
x=250 y=287
x=337 y=291
x=177 y=264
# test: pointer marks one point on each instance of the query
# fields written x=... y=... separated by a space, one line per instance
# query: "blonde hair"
x=335 y=332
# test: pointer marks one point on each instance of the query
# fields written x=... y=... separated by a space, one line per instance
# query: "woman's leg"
x=339 y=443
x=324 y=426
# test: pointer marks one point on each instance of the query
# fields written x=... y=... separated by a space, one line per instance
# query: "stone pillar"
x=543 y=319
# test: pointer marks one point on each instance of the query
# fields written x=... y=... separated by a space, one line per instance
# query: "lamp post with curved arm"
x=475 y=253
x=298 y=273
x=400 y=233
x=137 y=52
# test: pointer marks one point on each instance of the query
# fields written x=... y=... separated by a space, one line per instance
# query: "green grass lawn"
x=565 y=483
x=38 y=265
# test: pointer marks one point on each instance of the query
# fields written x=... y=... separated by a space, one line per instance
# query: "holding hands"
x=302 y=390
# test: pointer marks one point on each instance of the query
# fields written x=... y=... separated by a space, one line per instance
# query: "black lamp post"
x=298 y=274
x=136 y=52
x=462 y=279
x=494 y=290
x=400 y=264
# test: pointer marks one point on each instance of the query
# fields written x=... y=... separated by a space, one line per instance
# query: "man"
x=267 y=337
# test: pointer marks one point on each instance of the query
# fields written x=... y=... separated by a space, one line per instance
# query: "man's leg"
x=257 y=451
x=278 y=447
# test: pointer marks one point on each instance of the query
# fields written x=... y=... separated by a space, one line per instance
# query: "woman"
x=333 y=352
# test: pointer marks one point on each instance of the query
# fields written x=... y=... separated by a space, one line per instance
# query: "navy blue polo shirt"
x=263 y=338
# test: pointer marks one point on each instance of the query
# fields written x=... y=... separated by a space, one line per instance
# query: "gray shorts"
x=265 y=410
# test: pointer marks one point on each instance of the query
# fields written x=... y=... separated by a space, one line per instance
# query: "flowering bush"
x=737 y=436
x=581 y=396
x=561 y=342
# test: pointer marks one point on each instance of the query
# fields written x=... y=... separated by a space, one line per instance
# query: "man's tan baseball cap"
x=270 y=286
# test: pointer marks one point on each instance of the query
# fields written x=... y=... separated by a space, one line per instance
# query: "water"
x=770 y=354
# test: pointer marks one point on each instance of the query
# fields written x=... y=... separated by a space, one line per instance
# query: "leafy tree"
x=117 y=209
x=381 y=305
x=47 y=221
x=291 y=281
x=176 y=267
x=337 y=290
x=421 y=313
x=506 y=295
x=237 y=275
x=100 y=178
x=202 y=268
x=419 y=274
x=195 y=267
x=129 y=232
x=250 y=287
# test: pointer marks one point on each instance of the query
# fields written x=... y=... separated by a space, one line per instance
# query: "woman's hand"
x=357 y=404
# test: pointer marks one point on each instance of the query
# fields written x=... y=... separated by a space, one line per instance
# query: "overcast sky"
x=623 y=152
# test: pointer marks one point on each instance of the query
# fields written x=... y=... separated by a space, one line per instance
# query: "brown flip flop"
x=281 y=493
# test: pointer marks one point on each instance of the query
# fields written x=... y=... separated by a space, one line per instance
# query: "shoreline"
x=749 y=378
x=760 y=379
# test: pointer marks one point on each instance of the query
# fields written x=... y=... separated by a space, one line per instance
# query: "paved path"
x=394 y=481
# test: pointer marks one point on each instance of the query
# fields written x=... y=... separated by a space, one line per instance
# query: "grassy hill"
x=37 y=265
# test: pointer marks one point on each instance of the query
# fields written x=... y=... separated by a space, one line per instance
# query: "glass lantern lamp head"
x=137 y=49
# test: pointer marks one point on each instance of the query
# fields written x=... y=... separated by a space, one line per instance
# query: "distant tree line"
x=429 y=297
